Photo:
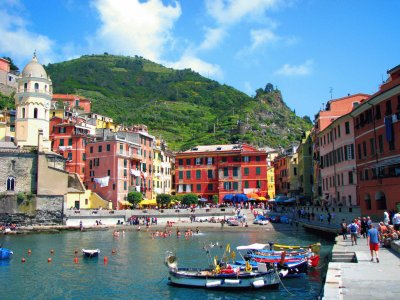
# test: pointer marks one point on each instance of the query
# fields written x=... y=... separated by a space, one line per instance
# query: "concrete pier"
x=351 y=274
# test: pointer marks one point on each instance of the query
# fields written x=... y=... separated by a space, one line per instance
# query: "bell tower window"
x=10 y=183
x=25 y=87
x=35 y=113
x=36 y=87
x=23 y=112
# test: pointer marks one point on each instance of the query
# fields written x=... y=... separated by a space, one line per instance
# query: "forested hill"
x=181 y=106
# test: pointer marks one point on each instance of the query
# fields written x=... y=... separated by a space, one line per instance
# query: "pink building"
x=338 y=164
x=72 y=102
x=113 y=165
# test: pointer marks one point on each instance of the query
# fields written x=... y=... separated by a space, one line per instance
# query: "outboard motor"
x=271 y=244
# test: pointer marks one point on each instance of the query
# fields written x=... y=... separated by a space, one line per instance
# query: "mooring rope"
x=276 y=271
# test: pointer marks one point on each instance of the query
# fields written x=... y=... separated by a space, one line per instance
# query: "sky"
x=312 y=50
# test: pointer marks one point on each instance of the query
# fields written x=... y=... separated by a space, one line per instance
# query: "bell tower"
x=32 y=102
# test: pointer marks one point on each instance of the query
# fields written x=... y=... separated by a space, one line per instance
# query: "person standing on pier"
x=373 y=242
x=343 y=227
x=353 y=228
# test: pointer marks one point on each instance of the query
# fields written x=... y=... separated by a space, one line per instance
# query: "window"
x=246 y=171
x=246 y=159
x=380 y=143
x=210 y=186
x=258 y=158
x=198 y=187
x=188 y=175
x=338 y=130
x=227 y=186
x=69 y=142
x=209 y=173
x=100 y=148
x=198 y=161
x=378 y=112
x=388 y=108
x=108 y=172
x=226 y=172
x=198 y=174
x=235 y=171
x=10 y=183
x=188 y=161
x=36 y=87
x=223 y=159
x=235 y=186
x=246 y=184
x=114 y=186
x=258 y=171
x=108 y=147
x=125 y=163
x=91 y=150
x=125 y=186
x=258 y=184
x=372 y=146
x=35 y=113
x=23 y=112
x=365 y=148
x=347 y=127
x=209 y=160
x=294 y=171
x=69 y=156
x=83 y=156
x=125 y=172
x=61 y=142
x=76 y=103
x=180 y=162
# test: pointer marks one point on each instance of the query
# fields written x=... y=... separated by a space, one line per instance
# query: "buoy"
x=23 y=260
x=29 y=251
x=76 y=260
x=49 y=260
x=52 y=251
x=76 y=251
x=113 y=251
x=105 y=260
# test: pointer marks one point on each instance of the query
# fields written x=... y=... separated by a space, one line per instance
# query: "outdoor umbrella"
x=228 y=197
x=240 y=198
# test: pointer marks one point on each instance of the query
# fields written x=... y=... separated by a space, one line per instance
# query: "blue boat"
x=5 y=253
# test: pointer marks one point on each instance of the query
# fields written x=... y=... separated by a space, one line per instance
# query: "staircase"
x=344 y=257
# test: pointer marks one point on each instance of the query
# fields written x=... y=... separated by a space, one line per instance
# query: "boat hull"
x=90 y=253
x=314 y=247
x=5 y=253
x=207 y=279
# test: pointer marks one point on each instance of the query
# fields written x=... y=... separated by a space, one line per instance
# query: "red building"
x=282 y=182
x=72 y=102
x=69 y=139
x=221 y=170
x=377 y=143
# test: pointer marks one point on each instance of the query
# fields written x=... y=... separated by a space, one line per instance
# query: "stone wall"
x=32 y=210
x=21 y=165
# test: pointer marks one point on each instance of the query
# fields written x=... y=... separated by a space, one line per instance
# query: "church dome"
x=34 y=69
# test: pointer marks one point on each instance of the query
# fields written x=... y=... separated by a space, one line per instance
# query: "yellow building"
x=271 y=155
x=2 y=127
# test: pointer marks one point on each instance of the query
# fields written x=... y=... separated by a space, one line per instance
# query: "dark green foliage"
x=163 y=200
x=7 y=101
x=189 y=199
x=13 y=67
x=135 y=197
x=215 y=199
x=183 y=107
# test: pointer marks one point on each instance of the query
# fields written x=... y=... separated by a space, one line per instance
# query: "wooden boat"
x=90 y=252
x=260 y=253
x=221 y=277
x=314 y=247
x=5 y=253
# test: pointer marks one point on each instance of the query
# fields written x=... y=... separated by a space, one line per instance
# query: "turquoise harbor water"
x=136 y=270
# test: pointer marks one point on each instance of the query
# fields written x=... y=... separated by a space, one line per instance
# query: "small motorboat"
x=314 y=247
x=90 y=252
x=221 y=277
x=5 y=253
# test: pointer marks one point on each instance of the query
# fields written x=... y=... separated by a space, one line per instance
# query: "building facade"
x=305 y=167
x=220 y=170
x=377 y=147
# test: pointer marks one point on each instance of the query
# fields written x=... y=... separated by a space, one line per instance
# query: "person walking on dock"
x=343 y=227
x=373 y=242
x=353 y=228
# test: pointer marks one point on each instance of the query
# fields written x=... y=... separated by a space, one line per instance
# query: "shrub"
x=163 y=200
x=189 y=199
x=135 y=197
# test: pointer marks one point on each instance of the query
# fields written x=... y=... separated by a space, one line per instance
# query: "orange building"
x=377 y=142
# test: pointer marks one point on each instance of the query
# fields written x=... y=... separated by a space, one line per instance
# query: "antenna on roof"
x=331 y=91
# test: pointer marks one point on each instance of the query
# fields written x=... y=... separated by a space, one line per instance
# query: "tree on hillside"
x=269 y=88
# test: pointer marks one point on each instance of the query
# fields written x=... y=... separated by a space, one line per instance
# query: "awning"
x=125 y=203
x=149 y=202
x=228 y=197
x=203 y=200
x=252 y=196
x=240 y=198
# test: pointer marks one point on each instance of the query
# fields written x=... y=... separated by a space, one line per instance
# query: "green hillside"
x=183 y=107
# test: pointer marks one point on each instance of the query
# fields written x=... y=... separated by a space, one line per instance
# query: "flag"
x=228 y=248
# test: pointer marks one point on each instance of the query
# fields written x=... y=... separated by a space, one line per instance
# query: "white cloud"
x=134 y=27
x=293 y=70
x=19 y=43
x=248 y=88
x=189 y=60
x=261 y=37
x=214 y=36
x=233 y=11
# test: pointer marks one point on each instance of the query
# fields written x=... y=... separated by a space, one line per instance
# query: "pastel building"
x=7 y=77
x=338 y=163
x=162 y=177
x=71 y=102
x=271 y=155
x=334 y=109
x=305 y=167
x=377 y=148
x=220 y=170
